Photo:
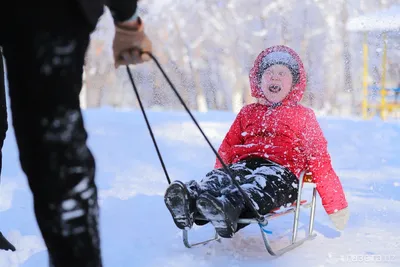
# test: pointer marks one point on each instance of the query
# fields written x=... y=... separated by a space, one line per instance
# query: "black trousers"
x=44 y=44
x=268 y=185
x=3 y=111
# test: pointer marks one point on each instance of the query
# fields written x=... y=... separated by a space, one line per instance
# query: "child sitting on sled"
x=266 y=148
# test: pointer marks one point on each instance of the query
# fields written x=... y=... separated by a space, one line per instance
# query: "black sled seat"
x=305 y=181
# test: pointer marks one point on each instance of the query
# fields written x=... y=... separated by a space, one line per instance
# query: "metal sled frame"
x=305 y=180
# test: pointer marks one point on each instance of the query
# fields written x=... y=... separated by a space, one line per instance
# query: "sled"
x=262 y=221
x=304 y=181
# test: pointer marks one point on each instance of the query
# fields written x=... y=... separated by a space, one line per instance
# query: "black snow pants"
x=268 y=185
x=44 y=45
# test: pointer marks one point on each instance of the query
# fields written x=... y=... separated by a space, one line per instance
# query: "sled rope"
x=148 y=124
x=258 y=217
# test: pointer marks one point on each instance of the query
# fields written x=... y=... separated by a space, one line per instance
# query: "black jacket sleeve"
x=122 y=10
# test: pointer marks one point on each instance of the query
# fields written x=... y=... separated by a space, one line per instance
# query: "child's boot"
x=180 y=204
x=223 y=212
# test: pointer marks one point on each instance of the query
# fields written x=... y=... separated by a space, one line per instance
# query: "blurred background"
x=350 y=49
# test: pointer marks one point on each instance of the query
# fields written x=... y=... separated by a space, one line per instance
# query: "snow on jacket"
x=287 y=134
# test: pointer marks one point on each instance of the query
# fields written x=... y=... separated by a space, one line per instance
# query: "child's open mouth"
x=274 y=88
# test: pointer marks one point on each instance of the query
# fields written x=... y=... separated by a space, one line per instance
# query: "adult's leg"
x=44 y=51
x=3 y=111
x=4 y=243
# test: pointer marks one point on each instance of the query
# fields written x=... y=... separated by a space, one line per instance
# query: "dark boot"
x=181 y=204
x=5 y=244
x=223 y=212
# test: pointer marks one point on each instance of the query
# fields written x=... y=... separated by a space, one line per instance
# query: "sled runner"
x=305 y=181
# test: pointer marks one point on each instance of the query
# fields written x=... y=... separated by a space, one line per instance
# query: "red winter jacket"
x=288 y=135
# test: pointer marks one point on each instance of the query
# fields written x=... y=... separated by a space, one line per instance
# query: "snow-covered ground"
x=137 y=229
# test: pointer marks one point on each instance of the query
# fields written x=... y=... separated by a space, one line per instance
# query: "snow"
x=385 y=20
x=137 y=230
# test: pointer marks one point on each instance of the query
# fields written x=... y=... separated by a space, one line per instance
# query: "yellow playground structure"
x=386 y=24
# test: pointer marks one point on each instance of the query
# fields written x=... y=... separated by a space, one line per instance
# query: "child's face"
x=276 y=83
